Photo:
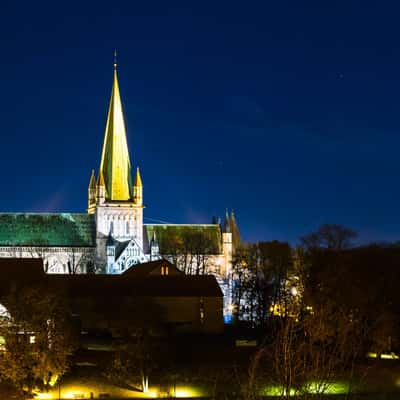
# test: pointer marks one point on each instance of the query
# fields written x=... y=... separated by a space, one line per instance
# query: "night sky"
x=286 y=111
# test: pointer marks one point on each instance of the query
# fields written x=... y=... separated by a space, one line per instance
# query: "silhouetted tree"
x=188 y=249
x=38 y=338
x=261 y=280
x=138 y=354
x=330 y=236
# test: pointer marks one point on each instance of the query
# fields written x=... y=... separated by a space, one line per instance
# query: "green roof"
x=54 y=230
x=195 y=239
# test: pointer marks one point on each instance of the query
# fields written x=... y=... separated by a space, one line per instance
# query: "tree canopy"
x=38 y=338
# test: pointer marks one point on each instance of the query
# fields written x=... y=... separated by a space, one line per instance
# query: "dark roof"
x=114 y=286
x=120 y=247
x=53 y=230
x=201 y=238
x=21 y=271
x=145 y=269
x=21 y=268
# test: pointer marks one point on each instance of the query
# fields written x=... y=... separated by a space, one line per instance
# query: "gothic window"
x=127 y=227
x=112 y=226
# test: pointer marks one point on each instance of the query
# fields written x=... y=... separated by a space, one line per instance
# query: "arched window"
x=112 y=226
x=127 y=227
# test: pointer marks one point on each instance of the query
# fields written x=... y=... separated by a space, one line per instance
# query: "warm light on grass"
x=187 y=391
x=43 y=396
x=327 y=388
x=74 y=395
x=276 y=390
x=332 y=388
x=152 y=393
x=75 y=392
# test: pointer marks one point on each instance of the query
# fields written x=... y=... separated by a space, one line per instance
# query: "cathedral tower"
x=115 y=201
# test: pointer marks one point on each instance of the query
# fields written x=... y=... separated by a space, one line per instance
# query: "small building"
x=155 y=295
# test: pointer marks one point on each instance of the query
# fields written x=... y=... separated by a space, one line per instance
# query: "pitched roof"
x=145 y=269
x=195 y=238
x=114 y=286
x=24 y=269
x=53 y=230
x=20 y=271
x=120 y=247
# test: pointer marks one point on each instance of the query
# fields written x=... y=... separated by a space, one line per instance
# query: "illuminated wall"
x=56 y=260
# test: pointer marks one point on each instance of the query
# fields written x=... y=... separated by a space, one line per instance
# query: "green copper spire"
x=115 y=164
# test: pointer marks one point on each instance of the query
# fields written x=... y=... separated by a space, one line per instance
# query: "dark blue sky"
x=286 y=111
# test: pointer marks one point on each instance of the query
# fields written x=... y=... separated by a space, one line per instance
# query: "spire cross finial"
x=115 y=58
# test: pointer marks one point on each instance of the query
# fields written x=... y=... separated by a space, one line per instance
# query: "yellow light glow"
x=53 y=380
x=152 y=393
x=277 y=309
x=385 y=356
x=43 y=396
x=336 y=387
x=73 y=395
x=183 y=393
x=187 y=392
x=390 y=356
x=276 y=390
x=331 y=388
x=75 y=392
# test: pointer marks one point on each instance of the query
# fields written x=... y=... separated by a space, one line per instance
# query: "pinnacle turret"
x=227 y=224
x=100 y=179
x=235 y=230
x=92 y=193
x=138 y=179
x=92 y=182
x=138 y=188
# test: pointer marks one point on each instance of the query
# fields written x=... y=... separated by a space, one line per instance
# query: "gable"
x=152 y=268
x=127 y=254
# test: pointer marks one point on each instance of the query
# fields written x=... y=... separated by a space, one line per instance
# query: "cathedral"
x=111 y=237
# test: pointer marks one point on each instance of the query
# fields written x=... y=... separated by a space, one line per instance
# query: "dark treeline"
x=319 y=308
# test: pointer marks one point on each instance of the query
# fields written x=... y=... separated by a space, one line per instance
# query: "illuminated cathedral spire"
x=115 y=163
